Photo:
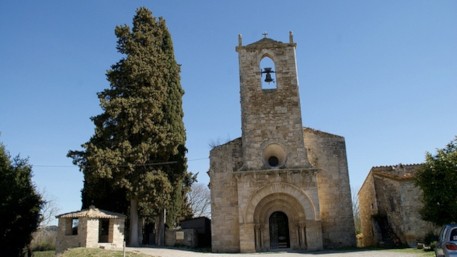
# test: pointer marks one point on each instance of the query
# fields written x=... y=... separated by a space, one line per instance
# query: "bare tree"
x=48 y=211
x=356 y=211
x=200 y=200
x=219 y=141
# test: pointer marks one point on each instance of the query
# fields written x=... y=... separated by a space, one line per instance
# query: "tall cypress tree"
x=20 y=204
x=139 y=141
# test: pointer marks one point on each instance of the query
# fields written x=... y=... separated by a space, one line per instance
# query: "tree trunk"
x=134 y=223
x=160 y=225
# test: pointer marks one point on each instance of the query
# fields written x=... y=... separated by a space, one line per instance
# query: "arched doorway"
x=279 y=230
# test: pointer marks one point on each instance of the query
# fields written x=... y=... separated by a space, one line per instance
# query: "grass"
x=417 y=252
x=91 y=252
x=44 y=253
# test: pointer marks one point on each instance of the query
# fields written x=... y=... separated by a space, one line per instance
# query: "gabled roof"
x=92 y=212
x=397 y=172
x=321 y=133
x=267 y=43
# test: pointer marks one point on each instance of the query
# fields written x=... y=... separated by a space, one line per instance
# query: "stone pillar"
x=313 y=235
x=117 y=225
x=301 y=235
x=258 y=237
x=247 y=238
x=91 y=233
x=302 y=231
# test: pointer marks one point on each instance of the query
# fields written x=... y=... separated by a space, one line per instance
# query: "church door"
x=279 y=230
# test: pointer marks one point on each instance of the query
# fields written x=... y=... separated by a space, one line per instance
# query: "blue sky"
x=383 y=74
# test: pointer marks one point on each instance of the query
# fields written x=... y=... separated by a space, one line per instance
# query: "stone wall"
x=270 y=116
x=368 y=206
x=65 y=239
x=181 y=237
x=391 y=189
x=116 y=234
x=326 y=187
x=327 y=153
x=224 y=197
x=293 y=192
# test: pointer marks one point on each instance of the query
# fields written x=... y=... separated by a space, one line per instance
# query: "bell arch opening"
x=279 y=230
x=267 y=72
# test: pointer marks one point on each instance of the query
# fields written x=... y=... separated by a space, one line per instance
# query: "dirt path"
x=163 y=252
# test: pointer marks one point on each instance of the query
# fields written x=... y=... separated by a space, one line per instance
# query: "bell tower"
x=272 y=129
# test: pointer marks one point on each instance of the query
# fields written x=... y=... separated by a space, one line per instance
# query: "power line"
x=137 y=165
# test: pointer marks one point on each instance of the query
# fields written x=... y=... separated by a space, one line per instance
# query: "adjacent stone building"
x=389 y=204
x=91 y=228
x=279 y=185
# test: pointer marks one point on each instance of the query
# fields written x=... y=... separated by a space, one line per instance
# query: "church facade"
x=279 y=185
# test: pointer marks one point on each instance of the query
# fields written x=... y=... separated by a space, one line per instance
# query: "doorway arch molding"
x=272 y=194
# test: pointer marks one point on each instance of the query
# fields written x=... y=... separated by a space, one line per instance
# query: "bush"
x=429 y=238
x=44 y=239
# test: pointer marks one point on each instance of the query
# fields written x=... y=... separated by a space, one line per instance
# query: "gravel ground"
x=163 y=252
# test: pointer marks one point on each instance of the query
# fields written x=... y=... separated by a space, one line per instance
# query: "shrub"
x=44 y=239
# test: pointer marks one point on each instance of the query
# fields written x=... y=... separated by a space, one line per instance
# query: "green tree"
x=139 y=141
x=438 y=181
x=20 y=204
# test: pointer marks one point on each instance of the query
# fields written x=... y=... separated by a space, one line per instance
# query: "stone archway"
x=303 y=222
x=288 y=206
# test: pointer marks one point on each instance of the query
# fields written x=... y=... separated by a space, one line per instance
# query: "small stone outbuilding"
x=202 y=226
x=91 y=228
x=194 y=233
x=389 y=203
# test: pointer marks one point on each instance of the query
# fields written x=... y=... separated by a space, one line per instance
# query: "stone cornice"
x=240 y=173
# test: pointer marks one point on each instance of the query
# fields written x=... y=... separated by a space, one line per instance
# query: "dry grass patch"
x=95 y=252
x=418 y=252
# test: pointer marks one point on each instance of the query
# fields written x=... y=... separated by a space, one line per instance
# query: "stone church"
x=279 y=185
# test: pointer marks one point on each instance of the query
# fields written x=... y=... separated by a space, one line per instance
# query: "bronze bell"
x=268 y=77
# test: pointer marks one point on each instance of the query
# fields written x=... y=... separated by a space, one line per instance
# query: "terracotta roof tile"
x=92 y=212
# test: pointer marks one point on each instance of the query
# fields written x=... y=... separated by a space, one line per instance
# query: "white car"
x=447 y=242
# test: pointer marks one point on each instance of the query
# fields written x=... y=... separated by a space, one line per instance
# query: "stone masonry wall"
x=270 y=115
x=413 y=227
x=293 y=192
x=396 y=197
x=65 y=239
x=181 y=237
x=327 y=153
x=92 y=227
x=368 y=206
x=224 y=197
x=399 y=200
x=117 y=228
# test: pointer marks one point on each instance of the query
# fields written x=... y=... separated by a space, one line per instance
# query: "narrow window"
x=72 y=228
x=268 y=73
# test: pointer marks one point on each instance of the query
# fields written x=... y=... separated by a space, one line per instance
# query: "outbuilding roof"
x=92 y=212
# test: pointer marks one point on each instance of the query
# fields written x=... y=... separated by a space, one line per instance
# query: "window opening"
x=74 y=226
x=267 y=73
x=273 y=161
